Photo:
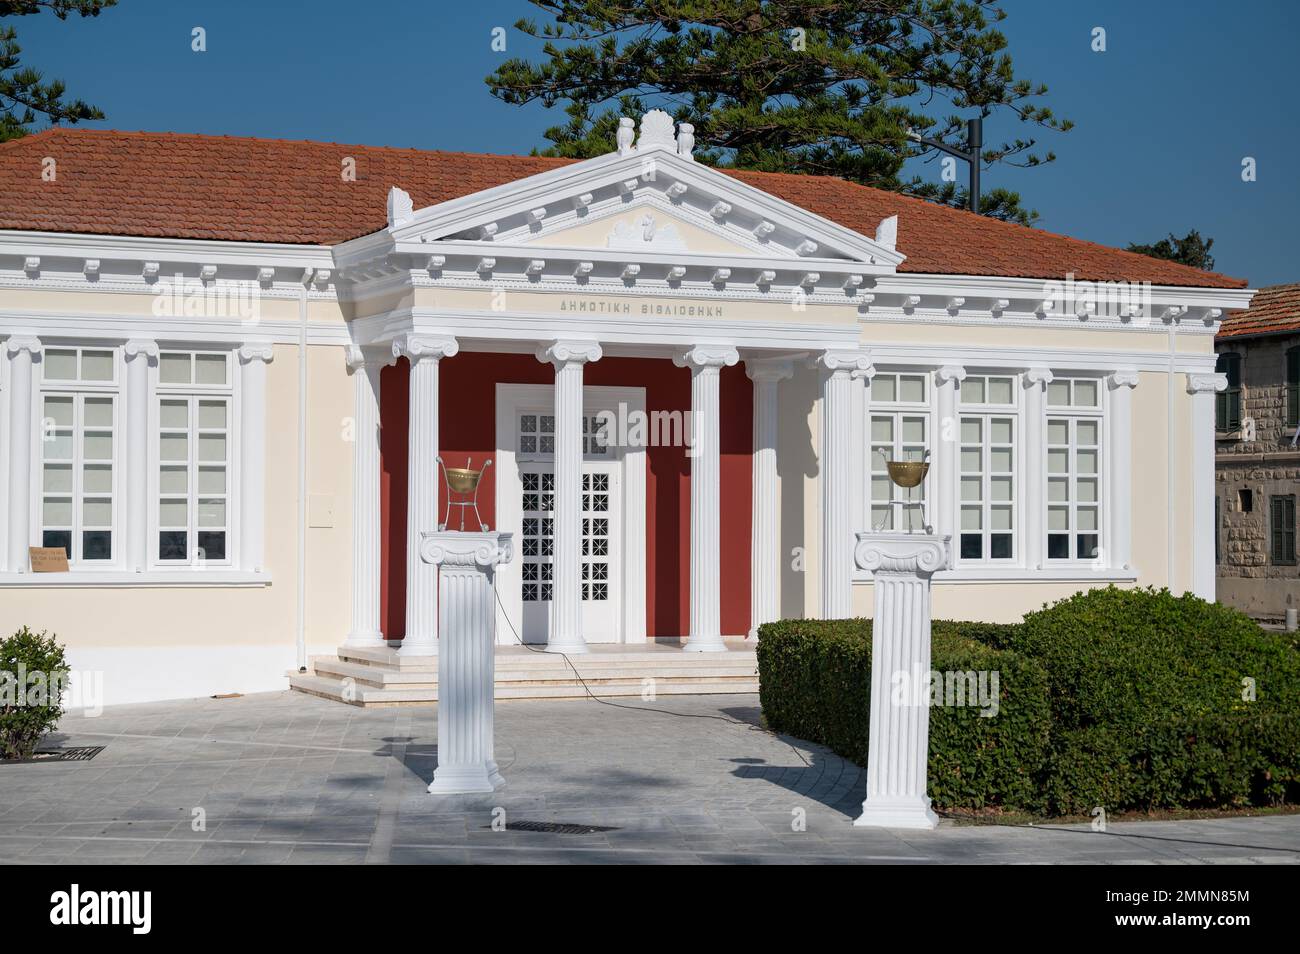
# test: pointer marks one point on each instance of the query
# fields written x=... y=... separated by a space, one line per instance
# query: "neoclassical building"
x=231 y=365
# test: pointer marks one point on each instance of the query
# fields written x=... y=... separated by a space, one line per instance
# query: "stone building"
x=1257 y=460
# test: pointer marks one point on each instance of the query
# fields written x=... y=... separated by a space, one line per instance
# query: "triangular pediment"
x=649 y=200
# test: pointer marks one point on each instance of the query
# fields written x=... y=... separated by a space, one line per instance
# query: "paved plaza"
x=285 y=777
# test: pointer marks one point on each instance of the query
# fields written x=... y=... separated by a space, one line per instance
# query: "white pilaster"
x=842 y=372
x=1036 y=381
x=22 y=350
x=947 y=455
x=899 y=736
x=140 y=355
x=422 y=480
x=1120 y=446
x=706 y=363
x=1202 y=388
x=568 y=359
x=365 y=365
x=765 y=558
x=465 y=564
x=253 y=359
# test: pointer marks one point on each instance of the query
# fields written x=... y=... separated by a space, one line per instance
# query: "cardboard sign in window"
x=49 y=559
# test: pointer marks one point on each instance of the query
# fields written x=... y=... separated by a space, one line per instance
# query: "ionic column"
x=898 y=742
x=841 y=382
x=765 y=558
x=706 y=363
x=568 y=358
x=422 y=479
x=1202 y=388
x=365 y=365
x=1120 y=445
x=253 y=359
x=22 y=350
x=1035 y=383
x=140 y=354
x=466 y=563
x=947 y=450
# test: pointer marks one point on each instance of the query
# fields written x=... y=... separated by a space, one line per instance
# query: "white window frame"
x=1073 y=414
x=897 y=410
x=193 y=393
x=986 y=412
x=78 y=390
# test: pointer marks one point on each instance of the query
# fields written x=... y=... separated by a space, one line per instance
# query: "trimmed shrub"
x=815 y=683
x=1150 y=707
x=33 y=672
x=1125 y=699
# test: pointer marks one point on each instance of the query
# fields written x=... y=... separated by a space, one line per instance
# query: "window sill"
x=96 y=579
x=1020 y=574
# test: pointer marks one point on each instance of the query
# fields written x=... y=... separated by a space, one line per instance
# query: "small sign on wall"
x=48 y=559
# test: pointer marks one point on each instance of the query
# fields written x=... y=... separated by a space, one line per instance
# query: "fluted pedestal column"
x=568 y=359
x=22 y=350
x=706 y=363
x=422 y=477
x=466 y=564
x=899 y=741
x=366 y=365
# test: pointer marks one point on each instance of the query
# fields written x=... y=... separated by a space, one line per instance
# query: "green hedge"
x=814 y=683
x=1119 y=698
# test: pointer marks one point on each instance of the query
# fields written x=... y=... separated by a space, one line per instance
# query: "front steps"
x=380 y=677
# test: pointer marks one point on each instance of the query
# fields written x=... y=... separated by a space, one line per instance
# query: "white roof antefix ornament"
x=400 y=207
x=642 y=234
x=887 y=232
x=657 y=130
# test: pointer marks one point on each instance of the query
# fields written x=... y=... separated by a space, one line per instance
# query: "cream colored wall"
x=799 y=521
x=228 y=638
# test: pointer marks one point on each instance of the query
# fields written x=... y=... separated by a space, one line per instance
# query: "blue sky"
x=1163 y=118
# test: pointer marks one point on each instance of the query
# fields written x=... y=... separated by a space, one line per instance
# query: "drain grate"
x=79 y=753
x=555 y=828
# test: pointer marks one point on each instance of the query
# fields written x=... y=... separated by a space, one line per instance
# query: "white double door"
x=612 y=546
x=601 y=573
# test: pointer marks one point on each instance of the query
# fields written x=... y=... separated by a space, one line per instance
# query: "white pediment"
x=647 y=198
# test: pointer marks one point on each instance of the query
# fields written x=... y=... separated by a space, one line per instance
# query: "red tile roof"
x=264 y=190
x=1273 y=309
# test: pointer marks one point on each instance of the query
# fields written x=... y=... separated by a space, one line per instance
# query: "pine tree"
x=826 y=87
x=24 y=93
x=1191 y=250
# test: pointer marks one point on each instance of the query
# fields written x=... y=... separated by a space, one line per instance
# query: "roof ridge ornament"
x=887 y=232
x=400 y=207
x=656 y=130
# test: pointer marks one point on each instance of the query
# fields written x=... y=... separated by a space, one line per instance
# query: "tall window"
x=1227 y=411
x=195 y=401
x=1282 y=525
x=988 y=468
x=1073 y=469
x=1293 y=387
x=900 y=415
x=78 y=477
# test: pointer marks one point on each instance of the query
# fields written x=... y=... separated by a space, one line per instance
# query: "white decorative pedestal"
x=899 y=744
x=466 y=564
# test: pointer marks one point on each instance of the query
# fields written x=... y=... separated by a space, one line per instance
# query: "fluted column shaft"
x=422 y=480
x=139 y=354
x=1202 y=388
x=22 y=349
x=466 y=563
x=841 y=371
x=253 y=359
x=765 y=557
x=899 y=734
x=948 y=451
x=366 y=365
x=706 y=364
x=1036 y=381
x=1120 y=444
x=568 y=358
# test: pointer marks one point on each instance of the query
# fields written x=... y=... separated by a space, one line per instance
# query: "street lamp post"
x=971 y=154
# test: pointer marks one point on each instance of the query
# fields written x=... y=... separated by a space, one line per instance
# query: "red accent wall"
x=467 y=392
